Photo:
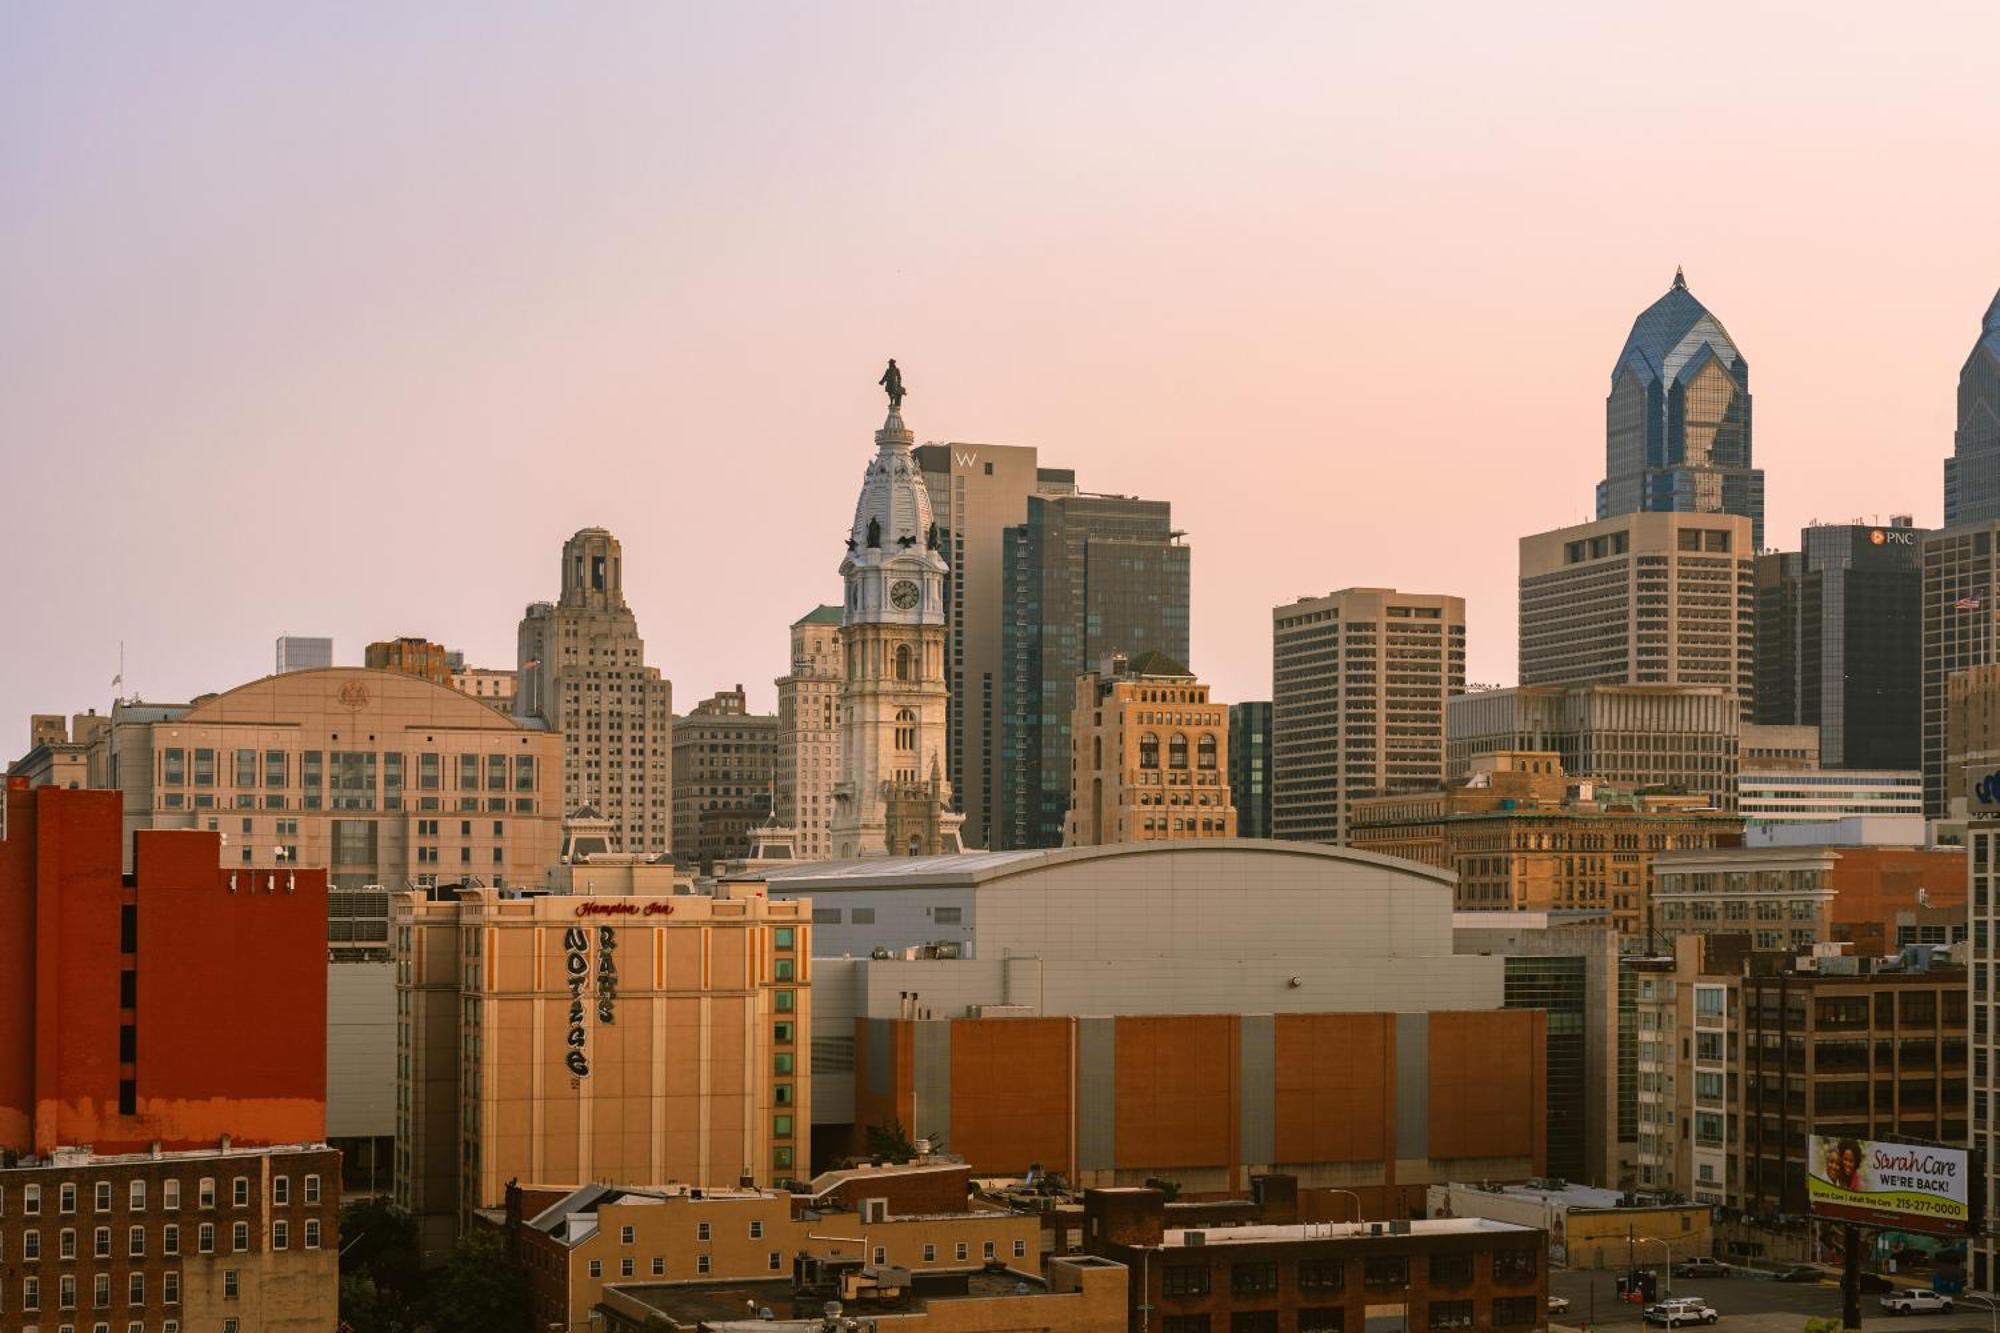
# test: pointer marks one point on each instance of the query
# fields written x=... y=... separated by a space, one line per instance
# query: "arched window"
x=1177 y=750
x=902 y=661
x=1149 y=751
x=906 y=730
x=1205 y=749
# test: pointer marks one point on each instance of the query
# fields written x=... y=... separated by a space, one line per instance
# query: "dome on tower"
x=892 y=517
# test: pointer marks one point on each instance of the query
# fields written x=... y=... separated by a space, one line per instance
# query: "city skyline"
x=634 y=316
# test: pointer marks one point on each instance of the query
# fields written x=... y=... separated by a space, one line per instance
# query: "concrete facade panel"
x=1177 y=1094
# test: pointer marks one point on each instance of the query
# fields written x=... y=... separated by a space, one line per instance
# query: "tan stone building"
x=809 y=733
x=1641 y=599
x=59 y=751
x=1149 y=756
x=411 y=656
x=1360 y=680
x=642 y=1041
x=1525 y=836
x=725 y=773
x=492 y=686
x=1971 y=728
x=583 y=674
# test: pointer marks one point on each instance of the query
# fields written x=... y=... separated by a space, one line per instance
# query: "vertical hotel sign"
x=578 y=974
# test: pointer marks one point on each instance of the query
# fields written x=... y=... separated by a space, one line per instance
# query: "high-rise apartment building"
x=1677 y=419
x=1961 y=632
x=1972 y=473
x=1147 y=756
x=646 y=1040
x=1840 y=642
x=808 y=760
x=1982 y=837
x=300 y=653
x=1086 y=576
x=411 y=656
x=978 y=492
x=583 y=673
x=1250 y=767
x=893 y=797
x=1641 y=599
x=1359 y=683
x=1656 y=738
x=725 y=775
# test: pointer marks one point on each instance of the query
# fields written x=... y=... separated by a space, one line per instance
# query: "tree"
x=381 y=1277
x=890 y=1142
x=482 y=1287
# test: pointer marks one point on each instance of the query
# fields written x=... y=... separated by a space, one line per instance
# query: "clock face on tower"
x=902 y=594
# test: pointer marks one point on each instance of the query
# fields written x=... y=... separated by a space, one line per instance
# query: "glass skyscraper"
x=1086 y=576
x=1972 y=473
x=1677 y=421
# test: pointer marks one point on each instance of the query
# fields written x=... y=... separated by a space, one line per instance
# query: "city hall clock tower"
x=892 y=798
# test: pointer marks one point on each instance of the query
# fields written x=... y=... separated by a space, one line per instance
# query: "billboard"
x=1909 y=1186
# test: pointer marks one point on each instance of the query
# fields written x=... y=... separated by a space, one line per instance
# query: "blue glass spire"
x=1972 y=473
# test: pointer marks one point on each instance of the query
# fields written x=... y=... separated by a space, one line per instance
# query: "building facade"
x=1983 y=875
x=583 y=675
x=808 y=760
x=411 y=656
x=1147 y=757
x=893 y=798
x=1642 y=599
x=1250 y=767
x=1084 y=577
x=1792 y=796
x=725 y=775
x=1523 y=835
x=1840 y=642
x=1652 y=738
x=493 y=686
x=1795 y=897
x=978 y=492
x=1359 y=684
x=1677 y=428
x=642 y=1040
x=300 y=653
x=1972 y=473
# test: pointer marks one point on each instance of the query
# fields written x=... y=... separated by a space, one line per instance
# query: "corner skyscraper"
x=893 y=796
x=583 y=672
x=1972 y=473
x=1677 y=420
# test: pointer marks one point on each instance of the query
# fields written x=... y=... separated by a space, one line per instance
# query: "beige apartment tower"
x=1641 y=599
x=583 y=673
x=1359 y=683
x=809 y=733
x=1149 y=756
x=631 y=1040
x=725 y=778
x=977 y=492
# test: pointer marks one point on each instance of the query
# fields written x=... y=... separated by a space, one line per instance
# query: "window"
x=312 y=1189
x=66 y=1292
x=1020 y=1249
x=625 y=1267
x=1451 y=1270
x=1322 y=1274
x=659 y=1266
x=947 y=916
x=1205 y=752
x=701 y=1231
x=239 y=1192
x=1177 y=749
x=66 y=1199
x=1254 y=1321
x=135 y=1242
x=781 y=1063
x=239 y=1237
x=31 y=1200
x=229 y=1286
x=597 y=1268
x=756 y=1231
x=312 y=1233
x=135 y=1196
x=701 y=1264
x=1385 y=1270
x=281 y=1190
x=66 y=1243
x=1185 y=1280
x=135 y=1289
x=989 y=1256
x=783 y=970
x=170 y=1195
x=783 y=1001
x=781 y=938
x=281 y=1235
x=930 y=1254
x=31 y=1294
x=1252 y=1279
x=100 y=1291
x=1451 y=1314
x=100 y=1243
x=959 y=1252
x=624 y=1235
x=204 y=1238
x=170 y=1239
x=205 y=1192
x=881 y=1256
x=1514 y=1265
x=1513 y=1311
x=774 y=1260
x=31 y=1245
x=170 y=1288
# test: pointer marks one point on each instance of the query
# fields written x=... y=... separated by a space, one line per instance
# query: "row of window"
x=135 y=1292
x=170 y=1240
x=170 y=1195
x=1377 y=1271
x=627 y=1267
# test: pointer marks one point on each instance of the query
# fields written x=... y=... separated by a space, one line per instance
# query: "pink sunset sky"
x=339 y=319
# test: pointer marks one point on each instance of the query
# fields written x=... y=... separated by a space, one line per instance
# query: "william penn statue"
x=892 y=382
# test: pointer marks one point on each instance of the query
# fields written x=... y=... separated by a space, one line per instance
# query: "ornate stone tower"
x=892 y=798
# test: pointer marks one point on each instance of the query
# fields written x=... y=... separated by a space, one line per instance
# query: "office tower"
x=1086 y=576
x=412 y=657
x=1982 y=837
x=643 y=1040
x=725 y=776
x=303 y=654
x=1250 y=767
x=892 y=797
x=583 y=673
x=1147 y=759
x=1961 y=612
x=977 y=492
x=1359 y=681
x=1972 y=473
x=1641 y=599
x=1677 y=420
x=1656 y=738
x=1840 y=642
x=809 y=733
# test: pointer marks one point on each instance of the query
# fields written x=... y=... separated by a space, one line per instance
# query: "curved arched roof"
x=359 y=691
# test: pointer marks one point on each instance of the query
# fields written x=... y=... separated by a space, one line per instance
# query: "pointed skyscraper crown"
x=1680 y=279
x=1669 y=333
x=1991 y=323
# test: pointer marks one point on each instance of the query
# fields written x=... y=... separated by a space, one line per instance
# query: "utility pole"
x=1850 y=1277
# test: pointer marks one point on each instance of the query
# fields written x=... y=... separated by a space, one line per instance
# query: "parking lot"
x=1745 y=1301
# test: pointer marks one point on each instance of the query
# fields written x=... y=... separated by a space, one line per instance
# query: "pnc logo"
x=1893 y=537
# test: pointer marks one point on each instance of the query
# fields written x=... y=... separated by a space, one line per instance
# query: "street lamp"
x=1669 y=1265
x=1352 y=1195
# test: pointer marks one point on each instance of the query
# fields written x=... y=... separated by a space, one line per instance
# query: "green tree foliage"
x=482 y=1287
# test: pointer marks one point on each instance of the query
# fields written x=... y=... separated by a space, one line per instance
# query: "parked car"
x=1679 y=1310
x=1798 y=1273
x=1701 y=1266
x=1915 y=1300
x=1558 y=1305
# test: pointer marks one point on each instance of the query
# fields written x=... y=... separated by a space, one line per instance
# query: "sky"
x=340 y=319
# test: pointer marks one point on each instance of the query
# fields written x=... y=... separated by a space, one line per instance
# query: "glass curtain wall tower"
x=1677 y=420
x=1972 y=473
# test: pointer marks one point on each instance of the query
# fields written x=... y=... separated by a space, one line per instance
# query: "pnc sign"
x=1893 y=537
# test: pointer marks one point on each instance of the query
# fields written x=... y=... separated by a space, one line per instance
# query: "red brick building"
x=173 y=1008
